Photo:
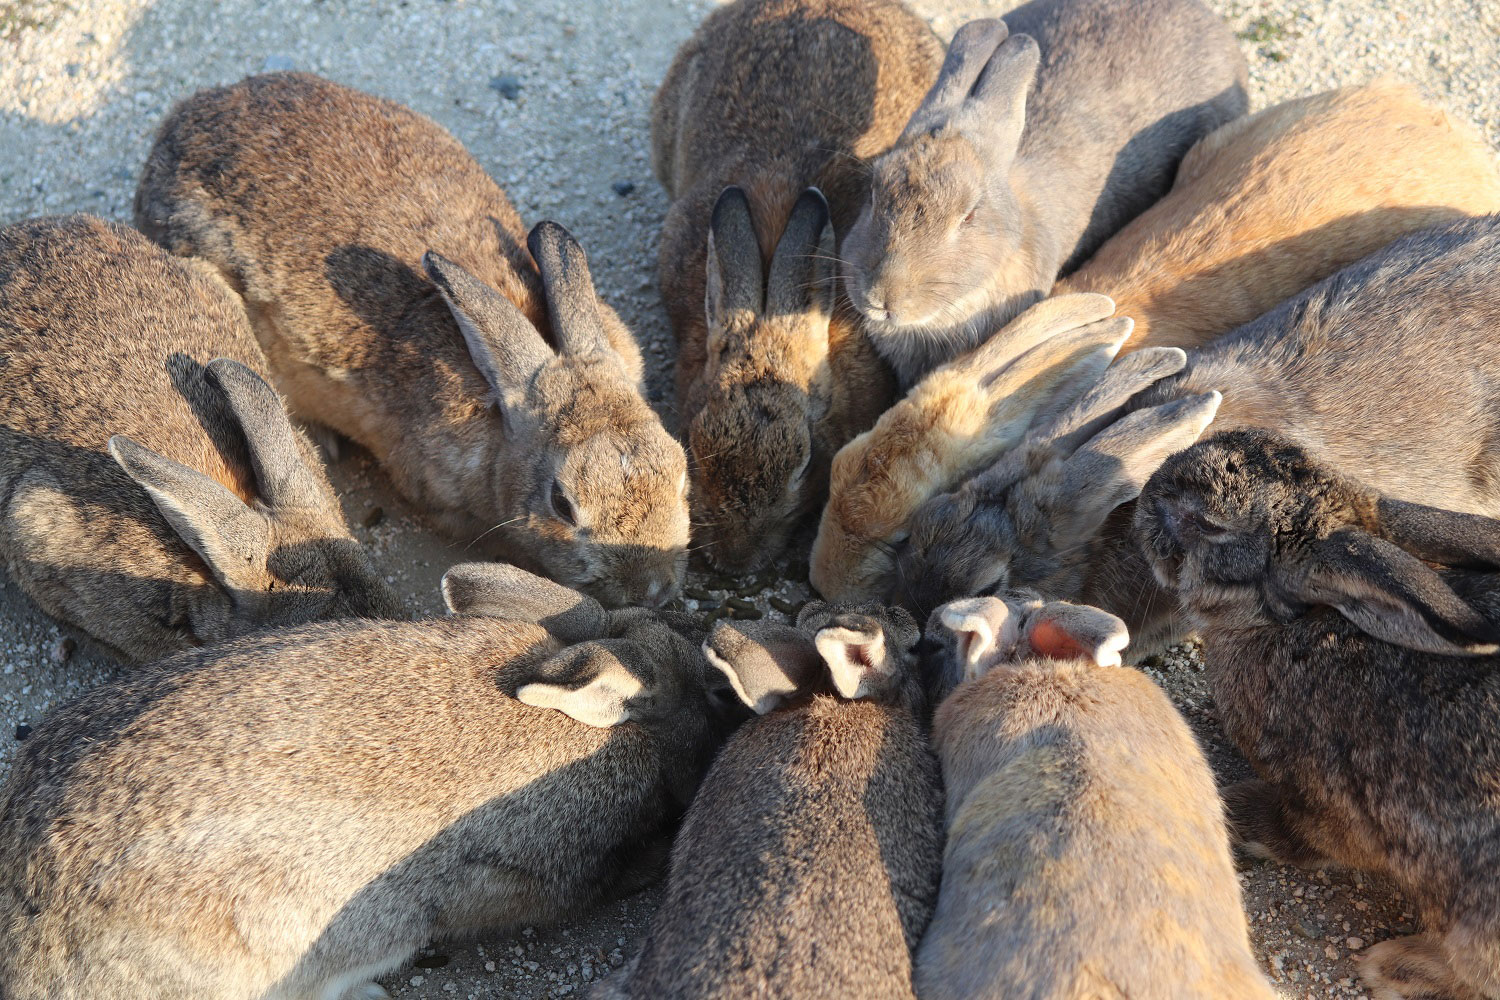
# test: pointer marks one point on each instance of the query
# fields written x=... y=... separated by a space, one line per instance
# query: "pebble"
x=623 y=188
x=508 y=87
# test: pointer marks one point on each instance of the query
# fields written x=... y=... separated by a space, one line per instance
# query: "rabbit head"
x=1033 y=519
x=1250 y=525
x=941 y=242
x=767 y=383
x=283 y=559
x=601 y=501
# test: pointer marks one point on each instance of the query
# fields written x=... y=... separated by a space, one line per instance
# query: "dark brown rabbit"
x=1351 y=640
x=155 y=495
x=808 y=864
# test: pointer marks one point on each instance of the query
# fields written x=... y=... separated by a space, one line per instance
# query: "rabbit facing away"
x=1269 y=204
x=155 y=494
x=1043 y=135
x=808 y=863
x=1086 y=855
x=767 y=101
x=507 y=409
x=261 y=821
x=1351 y=642
x=1387 y=371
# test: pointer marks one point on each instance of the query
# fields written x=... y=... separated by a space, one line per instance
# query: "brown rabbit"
x=1351 y=639
x=288 y=816
x=809 y=861
x=324 y=207
x=1270 y=204
x=155 y=494
x=768 y=99
x=1087 y=855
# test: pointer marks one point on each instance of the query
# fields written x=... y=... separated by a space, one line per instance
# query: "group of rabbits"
x=973 y=313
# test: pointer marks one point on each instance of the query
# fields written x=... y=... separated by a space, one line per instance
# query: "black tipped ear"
x=569 y=288
x=505 y=347
x=282 y=476
x=499 y=590
x=1392 y=596
x=735 y=282
x=969 y=52
x=1468 y=541
x=802 y=279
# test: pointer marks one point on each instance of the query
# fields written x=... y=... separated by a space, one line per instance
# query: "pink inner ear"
x=1048 y=639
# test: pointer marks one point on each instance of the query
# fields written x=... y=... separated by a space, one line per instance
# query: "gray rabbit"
x=155 y=495
x=1351 y=639
x=1043 y=135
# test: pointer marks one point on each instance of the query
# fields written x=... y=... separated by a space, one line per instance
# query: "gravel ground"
x=553 y=98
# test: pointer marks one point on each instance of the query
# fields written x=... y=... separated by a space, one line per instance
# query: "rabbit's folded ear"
x=1062 y=631
x=1467 y=541
x=231 y=538
x=500 y=590
x=735 y=284
x=982 y=632
x=968 y=55
x=571 y=302
x=283 y=478
x=602 y=683
x=802 y=279
x=858 y=657
x=1393 y=596
x=764 y=662
x=995 y=113
x=505 y=347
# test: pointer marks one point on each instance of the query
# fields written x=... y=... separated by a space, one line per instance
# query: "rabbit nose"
x=1178 y=524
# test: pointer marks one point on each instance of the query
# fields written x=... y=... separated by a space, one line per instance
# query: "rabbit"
x=288 y=816
x=961 y=417
x=1351 y=638
x=768 y=100
x=1087 y=854
x=808 y=864
x=155 y=495
x=1388 y=370
x=385 y=277
x=1044 y=134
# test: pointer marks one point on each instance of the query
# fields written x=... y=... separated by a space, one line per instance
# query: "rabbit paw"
x=1412 y=968
x=1262 y=825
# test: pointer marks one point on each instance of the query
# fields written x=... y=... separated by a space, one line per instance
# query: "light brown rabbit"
x=288 y=816
x=809 y=861
x=1271 y=204
x=155 y=495
x=1087 y=854
x=319 y=202
x=770 y=98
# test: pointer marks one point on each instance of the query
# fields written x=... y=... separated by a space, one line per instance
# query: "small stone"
x=62 y=649
x=489 y=966
x=278 y=64
x=1311 y=933
x=1355 y=943
x=623 y=188
x=508 y=86
x=22 y=731
x=373 y=516
x=418 y=980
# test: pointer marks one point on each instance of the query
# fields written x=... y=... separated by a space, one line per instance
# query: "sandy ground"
x=553 y=97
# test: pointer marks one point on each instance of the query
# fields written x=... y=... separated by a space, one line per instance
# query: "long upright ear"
x=969 y=52
x=802 y=280
x=227 y=535
x=980 y=632
x=858 y=657
x=1391 y=595
x=507 y=349
x=1468 y=541
x=1101 y=404
x=765 y=662
x=500 y=590
x=1062 y=631
x=735 y=283
x=1114 y=465
x=283 y=477
x=601 y=684
x=995 y=113
x=569 y=288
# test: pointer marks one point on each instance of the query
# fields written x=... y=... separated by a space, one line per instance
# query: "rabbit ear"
x=968 y=54
x=995 y=112
x=765 y=662
x=500 y=590
x=601 y=683
x=1114 y=465
x=735 y=282
x=854 y=648
x=230 y=537
x=1392 y=596
x=1062 y=631
x=507 y=349
x=1468 y=541
x=280 y=472
x=983 y=632
x=802 y=279
x=1101 y=404
x=571 y=303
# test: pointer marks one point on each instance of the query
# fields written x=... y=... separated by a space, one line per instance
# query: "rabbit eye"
x=562 y=507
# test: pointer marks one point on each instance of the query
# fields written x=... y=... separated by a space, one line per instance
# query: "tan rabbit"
x=1087 y=854
x=288 y=816
x=155 y=494
x=770 y=98
x=1271 y=204
x=319 y=202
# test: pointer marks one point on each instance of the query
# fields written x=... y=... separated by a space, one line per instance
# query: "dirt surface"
x=553 y=98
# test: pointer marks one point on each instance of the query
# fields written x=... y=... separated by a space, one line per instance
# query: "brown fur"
x=102 y=333
x=318 y=203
